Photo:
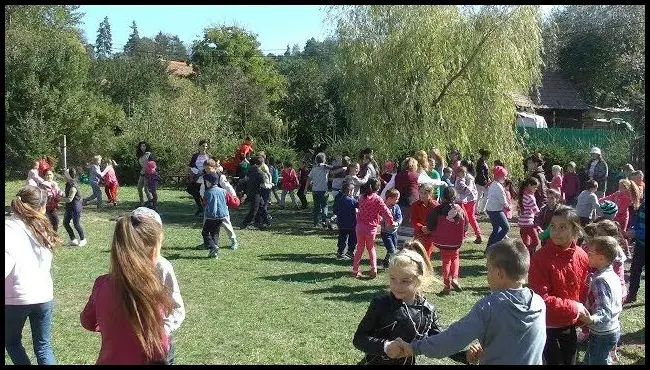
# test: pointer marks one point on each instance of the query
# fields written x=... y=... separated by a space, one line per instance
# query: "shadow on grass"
x=358 y=293
x=637 y=337
x=639 y=304
x=176 y=256
x=311 y=258
x=472 y=270
x=471 y=254
x=307 y=277
x=480 y=291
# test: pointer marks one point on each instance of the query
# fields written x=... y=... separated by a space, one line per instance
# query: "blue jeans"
x=97 y=194
x=347 y=237
x=599 y=347
x=40 y=320
x=390 y=241
x=320 y=206
x=500 y=227
x=73 y=213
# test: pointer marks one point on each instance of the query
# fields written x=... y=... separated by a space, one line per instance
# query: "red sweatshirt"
x=559 y=277
x=570 y=185
x=104 y=314
x=419 y=214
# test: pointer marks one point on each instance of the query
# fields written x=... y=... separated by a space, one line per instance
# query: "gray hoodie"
x=510 y=324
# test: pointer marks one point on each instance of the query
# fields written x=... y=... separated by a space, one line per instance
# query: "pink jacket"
x=109 y=176
x=371 y=209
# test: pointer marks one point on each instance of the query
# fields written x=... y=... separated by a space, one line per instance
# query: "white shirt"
x=166 y=272
x=496 y=197
x=28 y=278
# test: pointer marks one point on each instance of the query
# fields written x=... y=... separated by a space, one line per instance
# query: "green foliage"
x=104 y=43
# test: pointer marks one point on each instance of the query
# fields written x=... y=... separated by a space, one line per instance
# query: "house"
x=557 y=100
x=180 y=69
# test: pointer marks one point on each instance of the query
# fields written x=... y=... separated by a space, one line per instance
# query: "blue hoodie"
x=216 y=206
x=510 y=324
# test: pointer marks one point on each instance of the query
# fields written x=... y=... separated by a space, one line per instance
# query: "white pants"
x=226 y=224
x=481 y=199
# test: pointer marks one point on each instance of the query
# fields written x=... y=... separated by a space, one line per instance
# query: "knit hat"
x=210 y=177
x=609 y=208
x=500 y=172
x=148 y=212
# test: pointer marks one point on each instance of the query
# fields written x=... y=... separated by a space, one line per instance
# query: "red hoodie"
x=419 y=214
x=570 y=185
x=559 y=276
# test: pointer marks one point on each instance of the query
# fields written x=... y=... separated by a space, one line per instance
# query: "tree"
x=170 y=47
x=132 y=42
x=104 y=44
x=418 y=77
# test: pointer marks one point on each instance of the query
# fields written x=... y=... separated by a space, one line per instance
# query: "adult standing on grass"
x=143 y=151
x=195 y=171
x=482 y=180
x=597 y=170
x=29 y=292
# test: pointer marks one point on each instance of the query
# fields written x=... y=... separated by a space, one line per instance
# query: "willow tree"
x=418 y=77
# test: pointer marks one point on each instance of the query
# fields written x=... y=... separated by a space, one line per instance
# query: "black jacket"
x=482 y=173
x=254 y=181
x=387 y=319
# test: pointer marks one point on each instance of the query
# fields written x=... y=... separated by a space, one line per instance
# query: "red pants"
x=111 y=190
x=530 y=238
x=428 y=244
x=450 y=265
x=365 y=240
x=470 y=209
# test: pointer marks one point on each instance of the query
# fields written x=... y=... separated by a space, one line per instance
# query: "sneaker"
x=445 y=291
x=478 y=240
x=213 y=254
x=456 y=286
x=83 y=242
x=357 y=275
x=340 y=257
x=74 y=243
x=350 y=255
x=373 y=274
x=234 y=244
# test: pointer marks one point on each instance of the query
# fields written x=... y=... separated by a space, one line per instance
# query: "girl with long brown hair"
x=128 y=305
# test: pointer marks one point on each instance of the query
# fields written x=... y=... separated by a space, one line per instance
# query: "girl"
x=303 y=177
x=351 y=177
x=527 y=211
x=556 y=181
x=275 y=178
x=406 y=182
x=128 y=305
x=111 y=185
x=420 y=210
x=448 y=223
x=152 y=177
x=29 y=243
x=434 y=174
x=195 y=170
x=558 y=273
x=534 y=168
x=54 y=193
x=73 y=207
x=142 y=152
x=338 y=173
x=454 y=163
x=571 y=185
x=627 y=195
x=95 y=175
x=543 y=219
x=371 y=209
x=289 y=183
x=511 y=194
x=439 y=159
x=467 y=196
x=368 y=164
x=387 y=174
x=496 y=202
x=33 y=177
x=482 y=179
x=404 y=312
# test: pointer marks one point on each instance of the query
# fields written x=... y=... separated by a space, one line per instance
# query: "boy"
x=216 y=210
x=609 y=210
x=603 y=301
x=303 y=176
x=152 y=177
x=318 y=179
x=389 y=232
x=446 y=176
x=587 y=202
x=571 y=185
x=510 y=323
x=345 y=209
x=95 y=175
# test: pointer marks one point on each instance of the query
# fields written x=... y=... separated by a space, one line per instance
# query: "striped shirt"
x=528 y=210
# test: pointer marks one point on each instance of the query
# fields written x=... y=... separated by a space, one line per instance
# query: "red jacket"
x=559 y=277
x=419 y=213
x=570 y=185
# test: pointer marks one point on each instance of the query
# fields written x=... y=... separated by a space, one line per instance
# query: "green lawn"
x=281 y=298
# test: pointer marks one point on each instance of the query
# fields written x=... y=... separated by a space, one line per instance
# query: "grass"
x=281 y=298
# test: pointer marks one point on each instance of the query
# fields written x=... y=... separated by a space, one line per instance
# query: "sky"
x=276 y=26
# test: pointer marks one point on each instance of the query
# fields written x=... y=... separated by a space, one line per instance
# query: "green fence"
x=574 y=138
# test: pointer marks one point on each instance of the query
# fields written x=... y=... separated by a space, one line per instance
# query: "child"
x=495 y=204
x=216 y=211
x=337 y=174
x=345 y=209
x=604 y=301
x=609 y=211
x=318 y=178
x=351 y=177
x=587 y=202
x=131 y=316
x=611 y=228
x=386 y=175
x=54 y=193
x=467 y=195
x=637 y=178
x=419 y=212
x=627 y=195
x=638 y=258
x=166 y=274
x=371 y=208
x=556 y=181
x=33 y=177
x=73 y=207
x=509 y=323
x=404 y=312
x=94 y=177
x=510 y=195
x=448 y=224
x=482 y=179
x=389 y=232
x=570 y=185
x=289 y=183
x=275 y=178
x=446 y=176
x=111 y=185
x=303 y=177
x=152 y=177
x=558 y=273
x=212 y=166
x=246 y=148
x=527 y=211
x=543 y=218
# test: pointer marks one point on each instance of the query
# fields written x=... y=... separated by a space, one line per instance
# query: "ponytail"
x=27 y=205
